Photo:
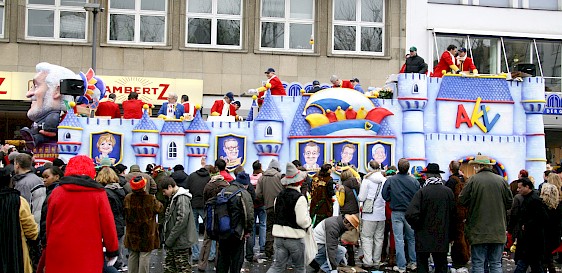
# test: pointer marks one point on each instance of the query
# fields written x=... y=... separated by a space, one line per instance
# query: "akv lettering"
x=479 y=111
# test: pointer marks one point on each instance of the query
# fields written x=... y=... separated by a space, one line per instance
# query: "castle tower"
x=197 y=140
x=412 y=95
x=69 y=135
x=533 y=100
x=145 y=140
x=172 y=139
x=268 y=131
x=253 y=109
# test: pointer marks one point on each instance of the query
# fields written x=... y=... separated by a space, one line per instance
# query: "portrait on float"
x=232 y=149
x=311 y=154
x=106 y=144
x=379 y=151
x=345 y=153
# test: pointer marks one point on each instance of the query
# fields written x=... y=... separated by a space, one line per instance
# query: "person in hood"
x=259 y=214
x=80 y=222
x=116 y=195
x=373 y=216
x=196 y=182
x=179 y=227
x=179 y=176
x=269 y=186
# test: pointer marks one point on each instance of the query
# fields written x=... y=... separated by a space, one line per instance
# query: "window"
x=287 y=25
x=484 y=53
x=544 y=4
x=415 y=89
x=144 y=138
x=496 y=3
x=358 y=27
x=268 y=131
x=550 y=55
x=443 y=42
x=138 y=21
x=2 y=18
x=198 y=139
x=444 y=1
x=214 y=23
x=172 y=150
x=67 y=136
x=56 y=19
x=517 y=51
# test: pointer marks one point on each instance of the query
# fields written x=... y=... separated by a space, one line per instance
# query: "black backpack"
x=218 y=222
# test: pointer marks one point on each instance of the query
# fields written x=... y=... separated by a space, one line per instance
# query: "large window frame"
x=57 y=8
x=359 y=24
x=138 y=12
x=2 y=17
x=287 y=21
x=214 y=16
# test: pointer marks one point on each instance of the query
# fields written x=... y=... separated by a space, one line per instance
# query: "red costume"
x=345 y=84
x=133 y=108
x=466 y=65
x=444 y=64
x=188 y=109
x=218 y=107
x=276 y=86
x=109 y=109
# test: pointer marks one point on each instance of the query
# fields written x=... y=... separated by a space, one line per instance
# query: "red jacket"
x=187 y=109
x=277 y=87
x=227 y=176
x=132 y=109
x=345 y=84
x=467 y=65
x=444 y=64
x=219 y=104
x=108 y=108
x=79 y=217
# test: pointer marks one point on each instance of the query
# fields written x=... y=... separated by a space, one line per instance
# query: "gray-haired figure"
x=171 y=109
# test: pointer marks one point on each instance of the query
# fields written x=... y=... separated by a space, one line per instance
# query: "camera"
x=72 y=87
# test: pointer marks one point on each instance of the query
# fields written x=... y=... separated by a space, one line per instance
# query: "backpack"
x=218 y=222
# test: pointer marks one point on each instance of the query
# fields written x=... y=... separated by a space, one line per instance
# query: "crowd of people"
x=78 y=216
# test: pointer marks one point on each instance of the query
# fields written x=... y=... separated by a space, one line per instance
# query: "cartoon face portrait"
x=107 y=145
x=311 y=153
x=379 y=152
x=231 y=149
x=345 y=153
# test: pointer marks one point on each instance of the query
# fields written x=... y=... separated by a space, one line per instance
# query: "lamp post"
x=95 y=8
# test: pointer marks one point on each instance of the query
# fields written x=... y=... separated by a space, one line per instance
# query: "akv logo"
x=478 y=112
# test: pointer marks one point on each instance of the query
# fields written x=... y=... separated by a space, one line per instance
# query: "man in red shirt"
x=465 y=63
x=336 y=82
x=447 y=62
x=188 y=108
x=132 y=108
x=109 y=108
x=224 y=107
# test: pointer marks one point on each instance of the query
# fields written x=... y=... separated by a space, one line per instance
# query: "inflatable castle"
x=427 y=120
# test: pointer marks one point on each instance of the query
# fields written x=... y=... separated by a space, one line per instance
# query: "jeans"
x=195 y=248
x=259 y=213
x=209 y=247
x=439 y=259
x=403 y=231
x=522 y=266
x=322 y=257
x=372 y=235
x=269 y=236
x=288 y=249
x=139 y=262
x=231 y=255
x=492 y=253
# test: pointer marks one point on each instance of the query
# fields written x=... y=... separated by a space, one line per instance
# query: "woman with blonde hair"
x=550 y=195
x=555 y=180
x=116 y=195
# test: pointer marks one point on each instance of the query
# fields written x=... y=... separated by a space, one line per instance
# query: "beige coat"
x=29 y=230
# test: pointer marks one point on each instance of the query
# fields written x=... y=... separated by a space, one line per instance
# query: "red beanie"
x=137 y=183
x=80 y=165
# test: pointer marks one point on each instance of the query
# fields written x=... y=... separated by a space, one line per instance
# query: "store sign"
x=14 y=86
x=553 y=104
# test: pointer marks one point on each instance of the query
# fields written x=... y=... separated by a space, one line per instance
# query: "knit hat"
x=274 y=164
x=105 y=162
x=243 y=178
x=292 y=175
x=352 y=218
x=80 y=165
x=12 y=156
x=135 y=169
x=137 y=183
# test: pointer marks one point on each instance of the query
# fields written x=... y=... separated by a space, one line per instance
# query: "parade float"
x=426 y=120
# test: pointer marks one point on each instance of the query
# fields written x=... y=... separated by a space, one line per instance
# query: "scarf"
x=433 y=181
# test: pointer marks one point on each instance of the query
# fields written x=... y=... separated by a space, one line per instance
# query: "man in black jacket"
x=195 y=183
x=179 y=176
x=415 y=63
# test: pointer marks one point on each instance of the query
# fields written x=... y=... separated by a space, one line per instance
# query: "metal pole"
x=94 y=38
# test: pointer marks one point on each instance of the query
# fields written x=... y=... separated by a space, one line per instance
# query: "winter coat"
x=140 y=210
x=552 y=228
x=431 y=215
x=79 y=223
x=531 y=221
x=350 y=205
x=196 y=186
x=160 y=197
x=44 y=209
x=321 y=202
x=300 y=213
x=371 y=189
x=180 y=177
x=460 y=250
x=241 y=210
x=179 y=226
x=328 y=232
x=415 y=64
x=29 y=231
x=31 y=188
x=399 y=190
x=116 y=195
x=488 y=198
x=215 y=185
x=150 y=188
x=269 y=186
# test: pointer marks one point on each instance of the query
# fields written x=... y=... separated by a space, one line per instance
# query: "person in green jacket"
x=488 y=198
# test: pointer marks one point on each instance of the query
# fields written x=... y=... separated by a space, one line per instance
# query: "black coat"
x=350 y=205
x=415 y=64
x=431 y=215
x=552 y=228
x=116 y=197
x=531 y=221
x=196 y=184
x=180 y=177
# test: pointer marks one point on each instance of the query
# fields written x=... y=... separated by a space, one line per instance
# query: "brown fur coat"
x=140 y=216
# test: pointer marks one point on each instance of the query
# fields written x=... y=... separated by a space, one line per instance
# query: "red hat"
x=137 y=183
x=80 y=165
